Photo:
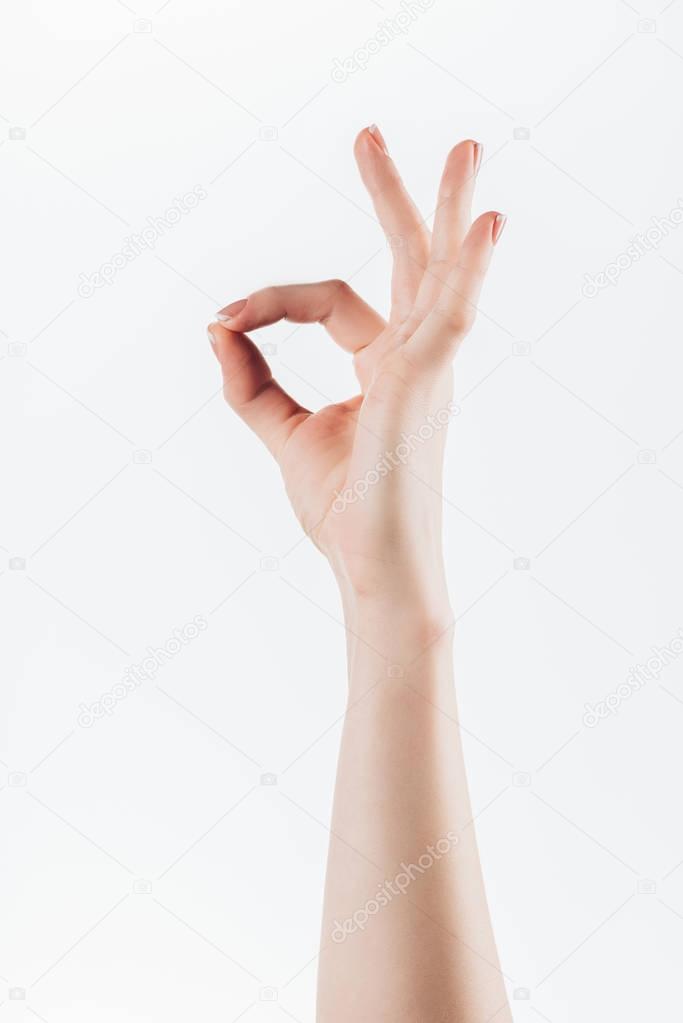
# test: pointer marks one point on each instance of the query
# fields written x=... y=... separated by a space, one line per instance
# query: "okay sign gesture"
x=364 y=475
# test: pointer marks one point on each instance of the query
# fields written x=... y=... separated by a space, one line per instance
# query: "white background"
x=560 y=395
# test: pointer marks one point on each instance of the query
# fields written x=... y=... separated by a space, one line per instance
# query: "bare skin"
x=406 y=934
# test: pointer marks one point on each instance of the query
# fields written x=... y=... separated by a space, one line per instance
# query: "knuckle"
x=471 y=270
x=439 y=270
x=339 y=288
x=339 y=291
x=458 y=319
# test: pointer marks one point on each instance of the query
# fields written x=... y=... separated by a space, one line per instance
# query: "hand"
x=364 y=475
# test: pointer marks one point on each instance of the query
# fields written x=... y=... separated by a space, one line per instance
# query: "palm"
x=330 y=450
x=315 y=463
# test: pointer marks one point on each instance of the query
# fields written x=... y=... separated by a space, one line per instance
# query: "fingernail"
x=230 y=311
x=212 y=339
x=478 y=154
x=379 y=138
x=498 y=226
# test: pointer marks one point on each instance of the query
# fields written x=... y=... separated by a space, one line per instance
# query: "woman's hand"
x=364 y=475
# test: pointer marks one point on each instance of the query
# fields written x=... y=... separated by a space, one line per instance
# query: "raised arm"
x=406 y=933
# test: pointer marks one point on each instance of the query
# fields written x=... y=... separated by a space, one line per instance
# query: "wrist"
x=421 y=611
x=394 y=630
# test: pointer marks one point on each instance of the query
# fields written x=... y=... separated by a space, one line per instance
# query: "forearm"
x=406 y=933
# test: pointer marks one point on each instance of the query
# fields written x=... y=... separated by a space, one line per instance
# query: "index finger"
x=350 y=321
